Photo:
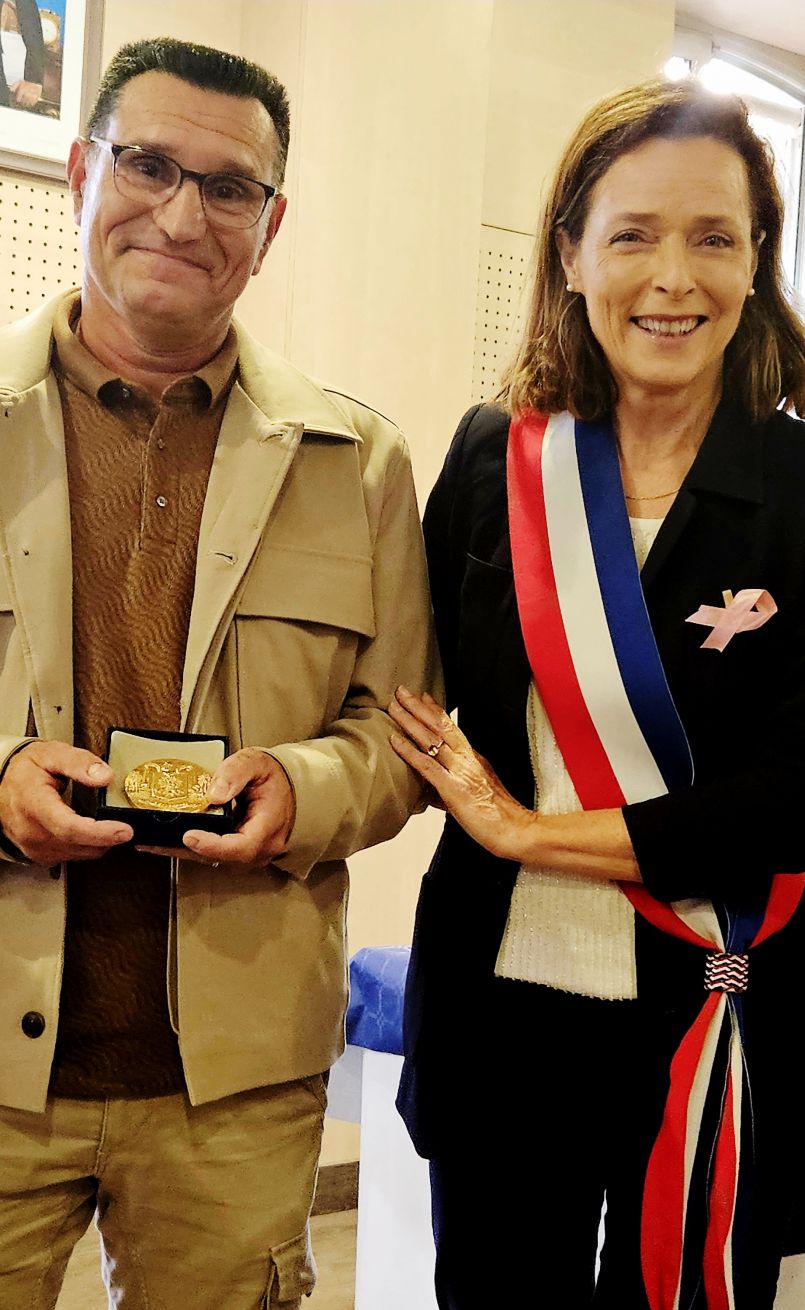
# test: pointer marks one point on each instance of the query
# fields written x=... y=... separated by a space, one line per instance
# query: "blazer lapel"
x=252 y=458
x=729 y=464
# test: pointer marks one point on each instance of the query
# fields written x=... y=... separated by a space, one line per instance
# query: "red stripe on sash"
x=662 y=915
x=785 y=896
x=541 y=621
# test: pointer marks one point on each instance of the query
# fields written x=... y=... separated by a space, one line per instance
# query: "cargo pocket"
x=291 y=1274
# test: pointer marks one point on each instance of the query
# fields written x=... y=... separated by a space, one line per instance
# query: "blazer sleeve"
x=446 y=533
x=352 y=790
x=725 y=839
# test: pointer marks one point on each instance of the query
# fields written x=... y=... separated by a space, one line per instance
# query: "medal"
x=168 y=785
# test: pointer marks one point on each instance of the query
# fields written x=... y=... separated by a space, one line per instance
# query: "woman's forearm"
x=591 y=842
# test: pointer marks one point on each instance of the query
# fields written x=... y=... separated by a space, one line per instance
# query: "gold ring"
x=433 y=750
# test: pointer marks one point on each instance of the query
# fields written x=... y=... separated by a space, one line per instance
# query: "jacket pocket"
x=291 y=1274
x=310 y=586
x=298 y=626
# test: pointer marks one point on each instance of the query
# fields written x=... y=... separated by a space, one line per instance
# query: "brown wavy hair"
x=560 y=365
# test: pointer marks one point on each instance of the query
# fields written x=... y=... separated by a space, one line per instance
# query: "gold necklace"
x=659 y=496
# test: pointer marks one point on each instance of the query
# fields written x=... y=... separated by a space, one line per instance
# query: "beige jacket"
x=310 y=606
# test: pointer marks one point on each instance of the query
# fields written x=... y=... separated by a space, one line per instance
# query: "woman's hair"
x=560 y=365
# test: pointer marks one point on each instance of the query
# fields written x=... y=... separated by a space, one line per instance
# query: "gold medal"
x=168 y=785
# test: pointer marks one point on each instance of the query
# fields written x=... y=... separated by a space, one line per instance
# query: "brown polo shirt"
x=137 y=475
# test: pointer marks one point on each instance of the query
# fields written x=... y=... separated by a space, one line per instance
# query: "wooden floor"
x=333 y=1245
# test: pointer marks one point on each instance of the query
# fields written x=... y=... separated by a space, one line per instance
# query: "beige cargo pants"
x=199 y=1208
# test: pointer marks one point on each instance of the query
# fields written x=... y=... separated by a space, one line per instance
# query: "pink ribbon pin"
x=750 y=609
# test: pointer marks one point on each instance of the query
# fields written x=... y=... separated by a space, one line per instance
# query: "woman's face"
x=665 y=263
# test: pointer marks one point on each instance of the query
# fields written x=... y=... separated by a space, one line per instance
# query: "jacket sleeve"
x=8 y=749
x=351 y=789
x=30 y=25
x=725 y=838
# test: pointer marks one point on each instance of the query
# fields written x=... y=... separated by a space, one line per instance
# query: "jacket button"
x=33 y=1023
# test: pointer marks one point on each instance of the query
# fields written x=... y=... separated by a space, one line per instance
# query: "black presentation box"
x=126 y=749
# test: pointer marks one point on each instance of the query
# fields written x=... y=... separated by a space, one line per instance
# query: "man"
x=221 y=547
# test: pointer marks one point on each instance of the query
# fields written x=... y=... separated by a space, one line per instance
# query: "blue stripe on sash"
x=624 y=604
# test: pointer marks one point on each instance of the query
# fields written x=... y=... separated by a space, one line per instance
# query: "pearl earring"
x=570 y=286
x=750 y=292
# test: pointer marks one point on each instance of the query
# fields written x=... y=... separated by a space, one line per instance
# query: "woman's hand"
x=589 y=843
x=468 y=786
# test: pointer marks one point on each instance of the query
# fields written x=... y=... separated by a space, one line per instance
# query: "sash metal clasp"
x=726 y=973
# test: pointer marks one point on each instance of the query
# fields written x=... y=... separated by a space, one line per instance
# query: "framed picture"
x=50 y=56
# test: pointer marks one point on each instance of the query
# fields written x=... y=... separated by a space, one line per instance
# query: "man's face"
x=167 y=268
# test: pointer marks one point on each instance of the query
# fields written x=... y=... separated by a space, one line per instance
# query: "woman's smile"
x=663 y=326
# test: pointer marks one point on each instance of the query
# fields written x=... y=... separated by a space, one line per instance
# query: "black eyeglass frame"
x=116 y=150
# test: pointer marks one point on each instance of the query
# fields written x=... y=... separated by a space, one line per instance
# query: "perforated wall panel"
x=38 y=243
x=504 y=262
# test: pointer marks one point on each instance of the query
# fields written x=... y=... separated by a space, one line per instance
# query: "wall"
x=422 y=133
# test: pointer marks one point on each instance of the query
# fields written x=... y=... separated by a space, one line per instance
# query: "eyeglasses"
x=228 y=199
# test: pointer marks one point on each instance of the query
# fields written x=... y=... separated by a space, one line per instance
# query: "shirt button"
x=160 y=444
x=161 y=501
x=33 y=1023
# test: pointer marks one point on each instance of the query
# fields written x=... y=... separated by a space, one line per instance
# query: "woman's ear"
x=761 y=237
x=567 y=254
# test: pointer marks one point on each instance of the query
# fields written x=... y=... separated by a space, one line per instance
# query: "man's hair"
x=560 y=365
x=200 y=65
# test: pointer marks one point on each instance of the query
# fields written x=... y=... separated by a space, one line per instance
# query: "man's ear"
x=278 y=207
x=77 y=174
x=567 y=254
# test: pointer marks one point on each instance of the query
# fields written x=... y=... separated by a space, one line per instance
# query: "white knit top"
x=565 y=930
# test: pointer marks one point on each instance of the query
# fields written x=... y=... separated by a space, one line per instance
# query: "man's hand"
x=36 y=818
x=268 y=813
x=26 y=94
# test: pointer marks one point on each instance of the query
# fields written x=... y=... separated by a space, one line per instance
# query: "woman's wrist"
x=590 y=843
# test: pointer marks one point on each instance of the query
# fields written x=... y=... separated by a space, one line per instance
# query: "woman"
x=576 y=1021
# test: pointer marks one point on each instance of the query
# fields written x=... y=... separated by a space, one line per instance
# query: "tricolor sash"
x=595 y=662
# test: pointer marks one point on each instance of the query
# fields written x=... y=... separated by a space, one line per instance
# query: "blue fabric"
x=377 y=986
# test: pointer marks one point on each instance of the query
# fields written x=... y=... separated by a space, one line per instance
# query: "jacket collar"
x=729 y=464
x=730 y=459
x=281 y=392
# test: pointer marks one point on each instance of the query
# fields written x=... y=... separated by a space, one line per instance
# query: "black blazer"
x=738 y=521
